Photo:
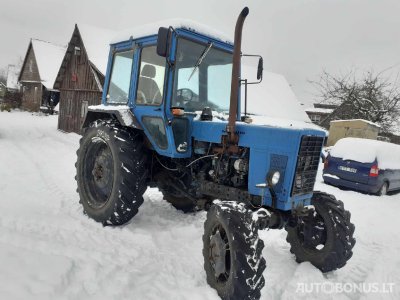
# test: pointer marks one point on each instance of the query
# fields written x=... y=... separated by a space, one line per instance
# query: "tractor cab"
x=168 y=80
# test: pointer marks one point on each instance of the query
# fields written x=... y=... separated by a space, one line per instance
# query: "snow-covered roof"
x=48 y=58
x=152 y=29
x=97 y=44
x=12 y=77
x=319 y=110
x=273 y=97
x=353 y=120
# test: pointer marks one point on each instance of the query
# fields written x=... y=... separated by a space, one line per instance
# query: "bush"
x=5 y=107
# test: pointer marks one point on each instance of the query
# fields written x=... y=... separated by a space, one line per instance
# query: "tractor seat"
x=148 y=87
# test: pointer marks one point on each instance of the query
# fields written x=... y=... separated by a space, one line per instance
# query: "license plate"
x=347 y=169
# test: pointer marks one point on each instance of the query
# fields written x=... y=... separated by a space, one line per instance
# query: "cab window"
x=118 y=89
x=150 y=88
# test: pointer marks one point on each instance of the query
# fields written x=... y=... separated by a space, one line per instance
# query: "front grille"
x=307 y=164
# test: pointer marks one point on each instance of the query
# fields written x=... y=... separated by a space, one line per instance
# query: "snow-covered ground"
x=50 y=250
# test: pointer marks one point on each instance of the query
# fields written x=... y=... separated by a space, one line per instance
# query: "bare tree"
x=370 y=96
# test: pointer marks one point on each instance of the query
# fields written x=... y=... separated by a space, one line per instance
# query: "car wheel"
x=384 y=189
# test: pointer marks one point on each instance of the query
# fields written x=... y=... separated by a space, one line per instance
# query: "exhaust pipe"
x=233 y=138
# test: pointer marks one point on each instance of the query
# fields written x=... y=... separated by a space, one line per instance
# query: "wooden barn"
x=81 y=76
x=38 y=73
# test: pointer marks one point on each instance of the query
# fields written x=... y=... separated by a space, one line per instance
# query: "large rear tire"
x=325 y=236
x=111 y=172
x=233 y=252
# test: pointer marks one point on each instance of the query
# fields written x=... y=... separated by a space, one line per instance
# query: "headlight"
x=273 y=178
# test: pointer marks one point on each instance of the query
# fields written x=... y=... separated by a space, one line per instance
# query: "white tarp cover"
x=273 y=97
x=12 y=77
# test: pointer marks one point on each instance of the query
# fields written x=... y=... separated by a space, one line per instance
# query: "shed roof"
x=326 y=111
x=48 y=58
x=152 y=29
x=357 y=120
x=97 y=44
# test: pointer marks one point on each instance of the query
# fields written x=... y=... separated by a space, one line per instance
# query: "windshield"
x=202 y=77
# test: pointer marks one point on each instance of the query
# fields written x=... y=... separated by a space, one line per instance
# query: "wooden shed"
x=80 y=78
x=39 y=70
x=352 y=128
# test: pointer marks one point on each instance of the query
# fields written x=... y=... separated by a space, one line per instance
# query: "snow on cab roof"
x=48 y=58
x=97 y=44
x=152 y=29
x=367 y=151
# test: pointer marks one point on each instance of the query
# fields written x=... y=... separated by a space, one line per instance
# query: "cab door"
x=151 y=78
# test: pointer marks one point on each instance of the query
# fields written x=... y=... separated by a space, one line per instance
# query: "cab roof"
x=152 y=29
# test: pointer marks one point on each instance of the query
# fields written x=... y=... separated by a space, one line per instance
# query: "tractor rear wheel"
x=111 y=172
x=233 y=252
x=325 y=236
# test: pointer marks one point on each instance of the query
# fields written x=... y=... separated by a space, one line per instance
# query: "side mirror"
x=162 y=41
x=260 y=69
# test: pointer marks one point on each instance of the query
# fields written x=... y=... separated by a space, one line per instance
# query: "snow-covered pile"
x=367 y=151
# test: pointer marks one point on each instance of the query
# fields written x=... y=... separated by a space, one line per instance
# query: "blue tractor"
x=164 y=123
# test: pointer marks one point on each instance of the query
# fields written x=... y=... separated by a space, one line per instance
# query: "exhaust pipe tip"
x=245 y=12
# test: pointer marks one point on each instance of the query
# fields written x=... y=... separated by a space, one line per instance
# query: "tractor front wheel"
x=325 y=236
x=233 y=252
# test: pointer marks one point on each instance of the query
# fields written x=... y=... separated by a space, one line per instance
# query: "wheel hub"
x=219 y=248
x=98 y=171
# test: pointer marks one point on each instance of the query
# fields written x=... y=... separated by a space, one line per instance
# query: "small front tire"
x=233 y=252
x=325 y=236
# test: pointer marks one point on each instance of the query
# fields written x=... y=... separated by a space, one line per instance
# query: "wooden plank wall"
x=73 y=108
x=78 y=87
x=32 y=89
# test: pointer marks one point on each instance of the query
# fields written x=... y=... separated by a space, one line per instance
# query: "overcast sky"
x=298 y=38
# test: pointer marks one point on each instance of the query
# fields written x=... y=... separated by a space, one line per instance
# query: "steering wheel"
x=153 y=101
x=185 y=94
x=141 y=96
